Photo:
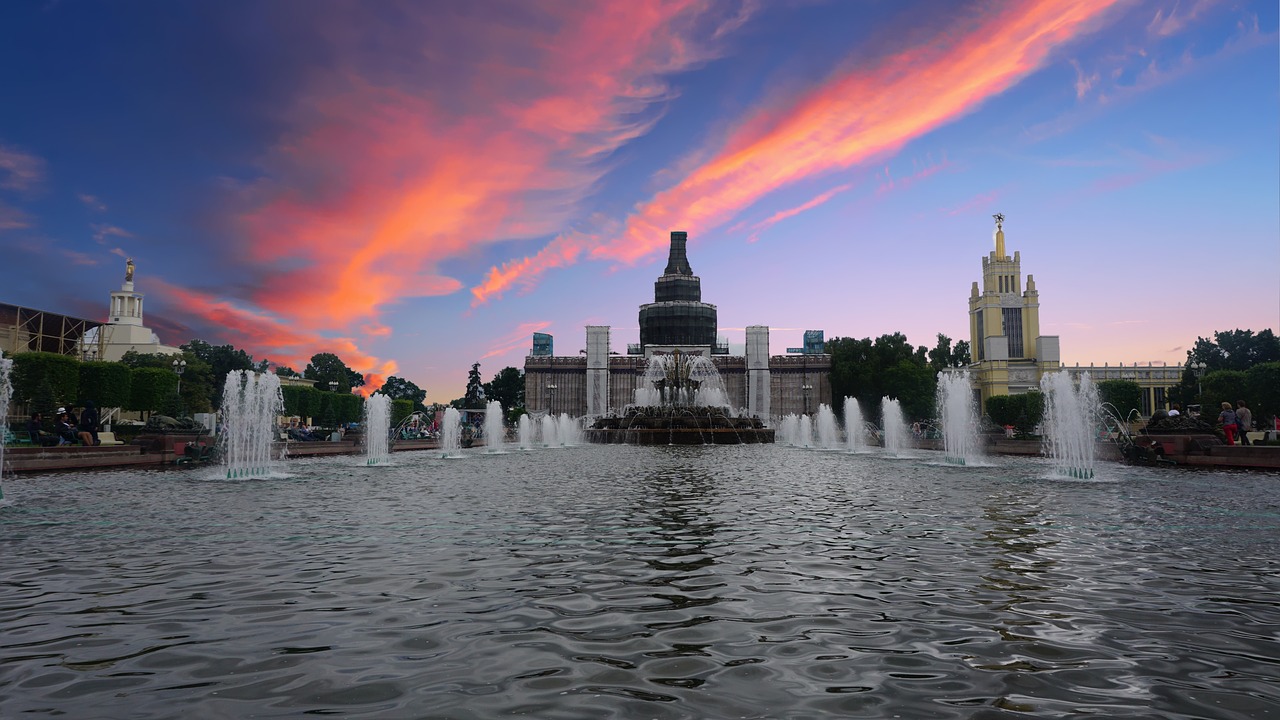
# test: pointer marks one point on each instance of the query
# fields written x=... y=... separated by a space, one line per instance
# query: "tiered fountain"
x=377 y=429
x=251 y=407
x=680 y=401
x=1070 y=421
x=959 y=418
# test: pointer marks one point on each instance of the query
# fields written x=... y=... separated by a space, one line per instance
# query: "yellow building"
x=1009 y=353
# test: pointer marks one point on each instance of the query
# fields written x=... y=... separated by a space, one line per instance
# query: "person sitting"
x=35 y=428
x=66 y=434
x=1175 y=410
x=89 y=421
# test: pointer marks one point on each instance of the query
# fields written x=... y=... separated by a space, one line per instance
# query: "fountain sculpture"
x=377 y=429
x=681 y=401
x=251 y=407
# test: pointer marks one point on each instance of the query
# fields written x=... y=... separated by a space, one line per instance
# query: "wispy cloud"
x=856 y=116
x=102 y=231
x=781 y=215
x=981 y=201
x=92 y=202
x=262 y=333
x=1171 y=20
x=20 y=170
x=11 y=218
x=388 y=180
x=78 y=258
x=516 y=339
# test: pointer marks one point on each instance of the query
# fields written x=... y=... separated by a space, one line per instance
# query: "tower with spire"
x=677 y=317
x=124 y=330
x=1009 y=353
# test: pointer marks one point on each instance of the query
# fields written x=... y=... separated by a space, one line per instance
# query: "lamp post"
x=1198 y=368
x=551 y=397
x=806 y=389
x=179 y=367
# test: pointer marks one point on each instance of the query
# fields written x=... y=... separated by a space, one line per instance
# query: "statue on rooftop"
x=128 y=270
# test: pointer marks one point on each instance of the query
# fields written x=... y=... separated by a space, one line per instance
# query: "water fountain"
x=855 y=433
x=377 y=429
x=6 y=392
x=1070 y=419
x=251 y=407
x=569 y=430
x=524 y=433
x=681 y=400
x=828 y=430
x=495 y=431
x=959 y=418
x=804 y=435
x=895 y=428
x=549 y=426
x=451 y=433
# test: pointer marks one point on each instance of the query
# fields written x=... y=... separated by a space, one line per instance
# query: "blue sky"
x=421 y=186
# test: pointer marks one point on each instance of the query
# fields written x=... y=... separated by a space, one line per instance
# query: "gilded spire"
x=1000 y=253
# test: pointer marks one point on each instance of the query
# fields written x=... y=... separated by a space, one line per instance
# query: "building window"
x=982 y=338
x=1013 y=331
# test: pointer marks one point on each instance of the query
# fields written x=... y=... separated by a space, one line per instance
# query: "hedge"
x=61 y=371
x=400 y=409
x=1025 y=411
x=152 y=388
x=106 y=384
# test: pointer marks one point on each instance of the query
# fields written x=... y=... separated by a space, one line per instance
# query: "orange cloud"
x=384 y=179
x=262 y=334
x=856 y=116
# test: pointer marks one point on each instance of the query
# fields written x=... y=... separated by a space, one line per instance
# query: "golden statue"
x=128 y=270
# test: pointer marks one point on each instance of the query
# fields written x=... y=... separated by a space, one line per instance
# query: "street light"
x=806 y=389
x=551 y=397
x=1198 y=369
x=179 y=367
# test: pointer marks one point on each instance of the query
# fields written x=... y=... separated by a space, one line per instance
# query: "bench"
x=12 y=439
x=108 y=438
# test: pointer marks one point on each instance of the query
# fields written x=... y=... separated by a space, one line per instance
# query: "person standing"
x=1244 y=421
x=89 y=421
x=1227 y=418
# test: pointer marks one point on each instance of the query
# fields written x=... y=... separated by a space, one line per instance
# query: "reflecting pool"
x=749 y=581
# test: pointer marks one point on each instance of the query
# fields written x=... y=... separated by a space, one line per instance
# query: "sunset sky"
x=420 y=186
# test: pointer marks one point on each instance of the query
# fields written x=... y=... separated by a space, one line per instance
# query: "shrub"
x=107 y=384
x=60 y=371
x=151 y=388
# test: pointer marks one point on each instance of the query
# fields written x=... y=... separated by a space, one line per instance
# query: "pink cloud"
x=516 y=339
x=781 y=215
x=856 y=116
x=19 y=170
x=11 y=218
x=92 y=202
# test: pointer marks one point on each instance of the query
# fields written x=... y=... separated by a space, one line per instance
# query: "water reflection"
x=641 y=582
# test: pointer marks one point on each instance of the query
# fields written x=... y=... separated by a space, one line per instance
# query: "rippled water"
x=597 y=582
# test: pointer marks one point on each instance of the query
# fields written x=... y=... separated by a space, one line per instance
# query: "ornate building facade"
x=1010 y=356
x=600 y=381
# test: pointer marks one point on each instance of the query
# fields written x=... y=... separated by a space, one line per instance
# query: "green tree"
x=397 y=388
x=327 y=368
x=889 y=366
x=401 y=409
x=200 y=391
x=474 y=397
x=1263 y=381
x=1223 y=386
x=1235 y=350
x=221 y=359
x=507 y=387
x=1124 y=395
x=961 y=356
x=943 y=357
x=285 y=371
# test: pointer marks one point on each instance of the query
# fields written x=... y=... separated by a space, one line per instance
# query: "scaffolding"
x=30 y=330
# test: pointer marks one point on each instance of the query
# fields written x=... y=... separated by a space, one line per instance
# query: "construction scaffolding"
x=30 y=330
